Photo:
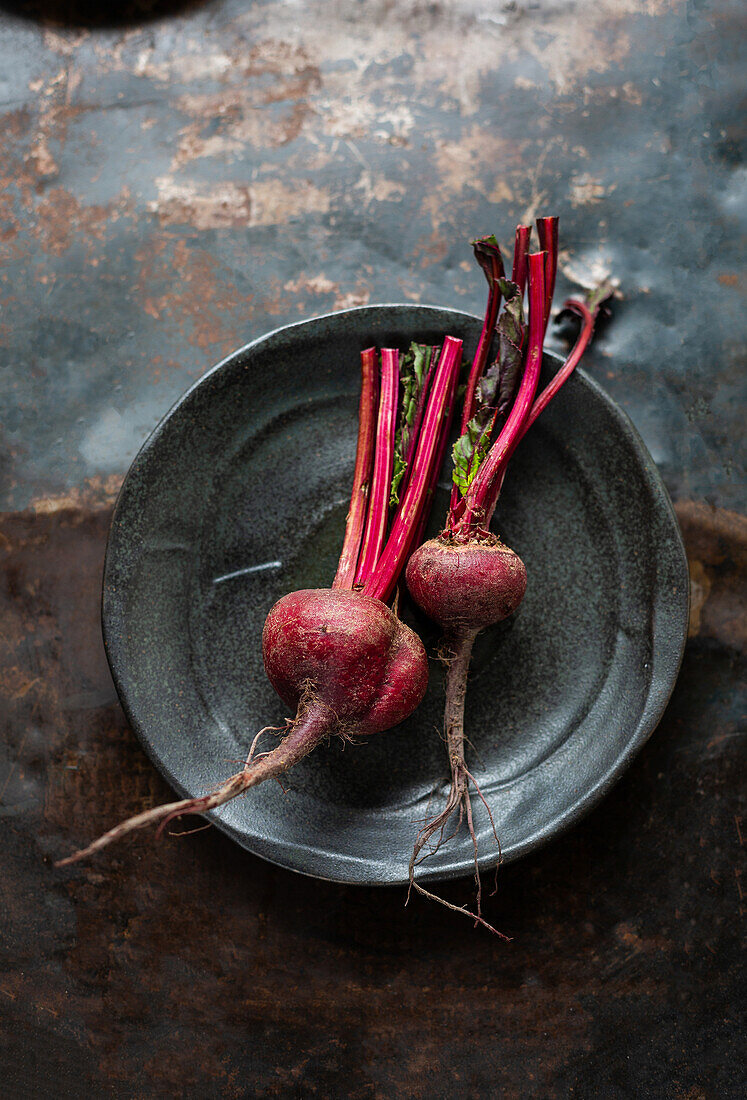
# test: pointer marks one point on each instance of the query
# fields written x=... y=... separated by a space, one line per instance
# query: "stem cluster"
x=377 y=545
x=480 y=468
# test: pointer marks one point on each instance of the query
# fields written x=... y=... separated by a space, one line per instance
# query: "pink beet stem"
x=540 y=404
x=355 y=523
x=478 y=499
x=407 y=518
x=582 y=342
x=378 y=506
x=521 y=250
x=434 y=475
x=477 y=369
x=547 y=230
x=494 y=271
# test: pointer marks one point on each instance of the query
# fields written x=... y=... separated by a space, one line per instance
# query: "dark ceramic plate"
x=240 y=495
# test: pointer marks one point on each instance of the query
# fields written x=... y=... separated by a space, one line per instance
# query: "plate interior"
x=240 y=496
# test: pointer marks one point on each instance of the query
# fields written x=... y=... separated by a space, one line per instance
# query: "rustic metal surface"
x=175 y=183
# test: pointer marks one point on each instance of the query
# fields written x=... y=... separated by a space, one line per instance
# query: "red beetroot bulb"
x=466 y=586
x=347 y=653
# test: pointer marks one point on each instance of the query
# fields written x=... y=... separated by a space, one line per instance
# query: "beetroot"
x=341 y=656
x=466 y=585
x=466 y=579
x=367 y=667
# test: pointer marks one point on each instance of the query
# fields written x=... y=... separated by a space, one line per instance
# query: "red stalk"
x=434 y=475
x=521 y=251
x=381 y=583
x=378 y=506
x=489 y=258
x=582 y=341
x=492 y=265
x=479 y=502
x=355 y=523
x=588 y=318
x=547 y=230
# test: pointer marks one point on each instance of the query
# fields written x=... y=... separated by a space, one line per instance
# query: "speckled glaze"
x=239 y=496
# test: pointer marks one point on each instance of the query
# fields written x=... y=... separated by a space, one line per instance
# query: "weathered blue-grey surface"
x=174 y=189
x=176 y=184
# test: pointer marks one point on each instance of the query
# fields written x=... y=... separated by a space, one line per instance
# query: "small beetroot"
x=467 y=579
x=466 y=585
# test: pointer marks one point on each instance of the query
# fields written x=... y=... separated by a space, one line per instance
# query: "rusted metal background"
x=177 y=179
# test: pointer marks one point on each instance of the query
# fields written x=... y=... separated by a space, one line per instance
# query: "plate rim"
x=658 y=693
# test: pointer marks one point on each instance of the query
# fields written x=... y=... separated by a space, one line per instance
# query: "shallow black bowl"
x=240 y=495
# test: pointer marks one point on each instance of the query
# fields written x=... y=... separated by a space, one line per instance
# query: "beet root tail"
x=311 y=725
x=458 y=800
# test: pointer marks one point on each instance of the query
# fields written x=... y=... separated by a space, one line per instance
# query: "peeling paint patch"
x=352 y=299
x=377 y=189
x=586 y=190
x=95 y=492
x=315 y=284
x=320 y=285
x=264 y=202
x=220 y=207
x=358 y=116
